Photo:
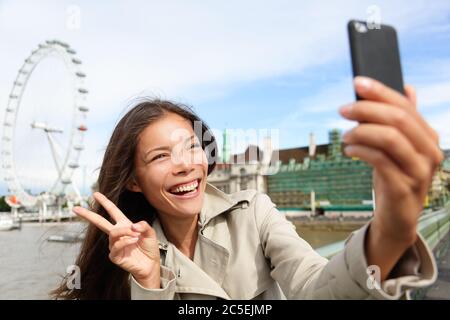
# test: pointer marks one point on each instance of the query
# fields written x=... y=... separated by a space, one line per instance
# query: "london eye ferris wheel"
x=44 y=125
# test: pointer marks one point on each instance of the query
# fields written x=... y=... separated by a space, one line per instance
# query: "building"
x=243 y=171
x=439 y=192
x=322 y=181
x=312 y=180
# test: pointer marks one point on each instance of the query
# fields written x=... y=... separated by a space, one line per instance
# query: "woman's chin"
x=188 y=206
x=192 y=207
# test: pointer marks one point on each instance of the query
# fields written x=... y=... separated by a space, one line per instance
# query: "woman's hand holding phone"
x=133 y=247
x=404 y=151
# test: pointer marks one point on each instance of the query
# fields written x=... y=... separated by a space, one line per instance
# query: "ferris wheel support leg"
x=59 y=213
x=14 y=212
x=42 y=212
x=77 y=192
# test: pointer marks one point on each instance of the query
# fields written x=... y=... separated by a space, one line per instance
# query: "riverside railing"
x=432 y=226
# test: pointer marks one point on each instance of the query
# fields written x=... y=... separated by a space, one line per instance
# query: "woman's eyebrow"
x=165 y=147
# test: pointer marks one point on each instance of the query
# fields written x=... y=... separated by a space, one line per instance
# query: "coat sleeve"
x=303 y=274
x=166 y=292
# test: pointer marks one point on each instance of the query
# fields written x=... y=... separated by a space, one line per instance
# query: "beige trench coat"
x=246 y=249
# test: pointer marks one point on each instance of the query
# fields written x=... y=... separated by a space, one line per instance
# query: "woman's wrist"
x=397 y=236
x=152 y=281
x=385 y=250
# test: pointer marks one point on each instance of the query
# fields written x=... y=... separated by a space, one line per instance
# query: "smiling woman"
x=151 y=160
x=160 y=231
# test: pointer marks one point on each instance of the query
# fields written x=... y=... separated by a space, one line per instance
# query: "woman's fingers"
x=386 y=168
x=119 y=245
x=411 y=95
x=371 y=89
x=394 y=144
x=374 y=90
x=93 y=218
x=144 y=228
x=118 y=232
x=381 y=113
x=111 y=208
x=100 y=221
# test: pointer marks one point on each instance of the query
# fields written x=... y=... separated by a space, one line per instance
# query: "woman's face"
x=171 y=167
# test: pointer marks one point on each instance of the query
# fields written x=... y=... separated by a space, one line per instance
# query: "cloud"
x=342 y=124
x=310 y=111
x=196 y=51
x=435 y=94
x=440 y=122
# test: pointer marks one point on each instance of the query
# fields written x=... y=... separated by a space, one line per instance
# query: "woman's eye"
x=195 y=145
x=159 y=156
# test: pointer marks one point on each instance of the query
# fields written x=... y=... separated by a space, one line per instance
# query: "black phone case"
x=375 y=54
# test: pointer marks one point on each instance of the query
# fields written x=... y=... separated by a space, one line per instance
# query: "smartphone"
x=375 y=53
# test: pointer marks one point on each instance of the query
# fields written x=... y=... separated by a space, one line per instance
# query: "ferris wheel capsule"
x=74 y=165
x=66 y=181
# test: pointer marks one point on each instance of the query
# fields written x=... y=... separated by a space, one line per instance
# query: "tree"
x=3 y=205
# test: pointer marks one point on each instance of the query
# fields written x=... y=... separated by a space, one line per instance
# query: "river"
x=31 y=266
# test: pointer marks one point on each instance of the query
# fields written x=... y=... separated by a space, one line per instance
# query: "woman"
x=160 y=231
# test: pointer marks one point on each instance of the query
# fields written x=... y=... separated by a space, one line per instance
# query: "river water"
x=31 y=266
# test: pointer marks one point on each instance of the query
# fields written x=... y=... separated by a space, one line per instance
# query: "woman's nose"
x=182 y=162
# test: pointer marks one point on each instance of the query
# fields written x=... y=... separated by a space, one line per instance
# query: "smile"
x=186 y=190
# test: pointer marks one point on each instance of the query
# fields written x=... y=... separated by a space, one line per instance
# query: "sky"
x=243 y=65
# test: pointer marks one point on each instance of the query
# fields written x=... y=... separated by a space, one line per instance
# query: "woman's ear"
x=133 y=186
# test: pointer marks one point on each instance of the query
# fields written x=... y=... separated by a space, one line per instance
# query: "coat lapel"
x=206 y=273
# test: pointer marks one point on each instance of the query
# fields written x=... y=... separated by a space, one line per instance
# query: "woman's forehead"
x=166 y=131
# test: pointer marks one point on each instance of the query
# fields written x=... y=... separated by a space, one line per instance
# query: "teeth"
x=184 y=188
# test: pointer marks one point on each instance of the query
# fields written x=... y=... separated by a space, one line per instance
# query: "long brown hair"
x=100 y=278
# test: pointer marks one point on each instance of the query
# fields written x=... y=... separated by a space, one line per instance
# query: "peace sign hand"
x=133 y=247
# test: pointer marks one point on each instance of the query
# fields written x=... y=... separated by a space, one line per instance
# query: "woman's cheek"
x=155 y=177
x=204 y=162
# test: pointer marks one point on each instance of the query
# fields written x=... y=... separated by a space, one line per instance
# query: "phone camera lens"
x=360 y=27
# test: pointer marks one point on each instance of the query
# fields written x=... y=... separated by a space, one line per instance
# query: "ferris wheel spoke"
x=56 y=156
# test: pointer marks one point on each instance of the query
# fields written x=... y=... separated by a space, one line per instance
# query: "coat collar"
x=206 y=274
x=215 y=202
x=212 y=252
